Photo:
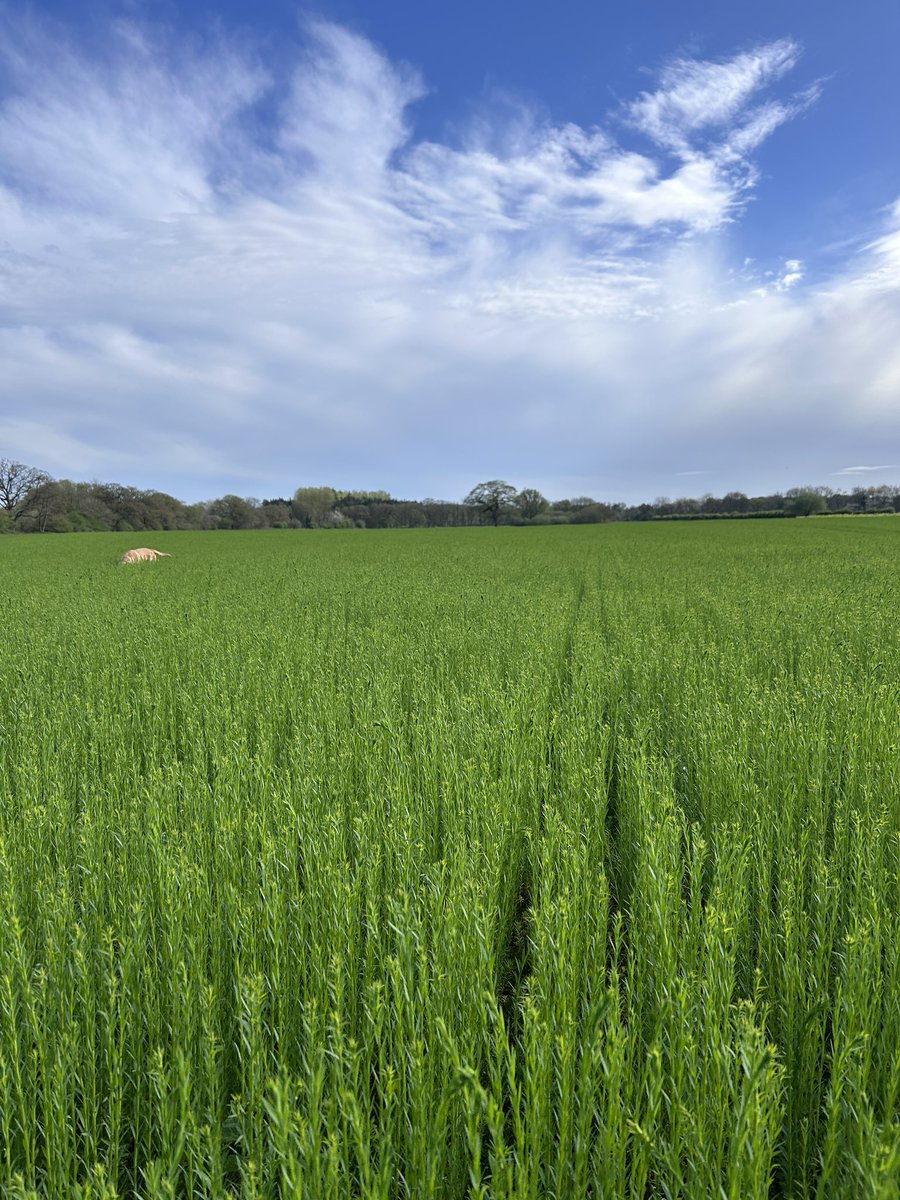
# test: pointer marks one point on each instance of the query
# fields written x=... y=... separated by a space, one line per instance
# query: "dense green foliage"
x=32 y=502
x=485 y=863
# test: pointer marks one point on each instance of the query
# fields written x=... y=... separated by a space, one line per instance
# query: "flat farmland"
x=477 y=863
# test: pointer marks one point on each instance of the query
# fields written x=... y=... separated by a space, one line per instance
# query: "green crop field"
x=483 y=863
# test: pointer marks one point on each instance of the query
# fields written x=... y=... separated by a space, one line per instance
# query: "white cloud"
x=143 y=136
x=219 y=276
x=696 y=96
x=347 y=107
x=782 y=280
x=865 y=470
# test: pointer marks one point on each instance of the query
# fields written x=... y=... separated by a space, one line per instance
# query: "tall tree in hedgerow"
x=492 y=499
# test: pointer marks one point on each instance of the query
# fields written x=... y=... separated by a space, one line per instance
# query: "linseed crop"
x=483 y=863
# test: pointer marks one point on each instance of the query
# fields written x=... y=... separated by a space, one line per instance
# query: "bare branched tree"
x=17 y=484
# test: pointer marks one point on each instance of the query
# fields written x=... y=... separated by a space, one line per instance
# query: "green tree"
x=594 y=514
x=232 y=512
x=805 y=502
x=566 y=507
x=492 y=499
x=314 y=506
x=735 y=502
x=531 y=503
x=276 y=514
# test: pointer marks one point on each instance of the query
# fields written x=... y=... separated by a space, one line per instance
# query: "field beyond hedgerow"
x=458 y=863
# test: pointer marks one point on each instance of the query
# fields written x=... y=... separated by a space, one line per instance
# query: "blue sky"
x=623 y=251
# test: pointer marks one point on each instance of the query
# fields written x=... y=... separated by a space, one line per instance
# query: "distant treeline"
x=33 y=502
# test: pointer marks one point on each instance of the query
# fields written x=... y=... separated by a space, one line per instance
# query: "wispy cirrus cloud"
x=215 y=271
x=716 y=104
